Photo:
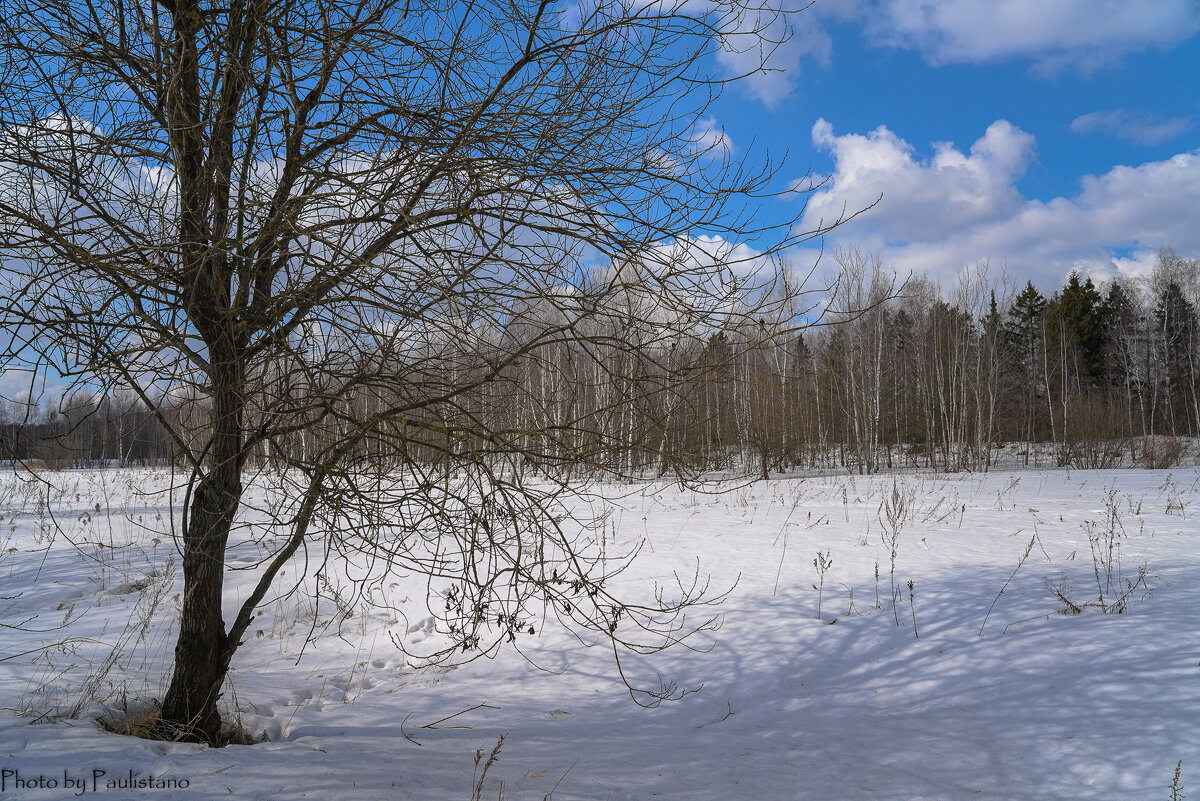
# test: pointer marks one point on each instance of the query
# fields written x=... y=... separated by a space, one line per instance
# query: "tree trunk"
x=202 y=651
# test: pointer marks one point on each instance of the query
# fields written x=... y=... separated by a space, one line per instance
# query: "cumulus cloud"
x=1142 y=129
x=915 y=198
x=1079 y=33
x=953 y=209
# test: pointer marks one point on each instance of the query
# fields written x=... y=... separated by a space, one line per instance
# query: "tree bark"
x=203 y=652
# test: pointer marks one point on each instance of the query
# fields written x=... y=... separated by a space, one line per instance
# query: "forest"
x=884 y=371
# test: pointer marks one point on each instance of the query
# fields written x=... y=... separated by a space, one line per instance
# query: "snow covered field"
x=1000 y=697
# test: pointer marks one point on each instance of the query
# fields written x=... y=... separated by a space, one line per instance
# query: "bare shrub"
x=1162 y=452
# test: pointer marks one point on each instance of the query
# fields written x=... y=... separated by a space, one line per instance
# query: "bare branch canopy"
x=363 y=248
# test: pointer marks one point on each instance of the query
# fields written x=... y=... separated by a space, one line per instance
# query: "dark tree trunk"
x=190 y=708
x=203 y=652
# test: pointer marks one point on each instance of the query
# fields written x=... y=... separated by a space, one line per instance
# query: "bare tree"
x=863 y=286
x=362 y=240
x=975 y=294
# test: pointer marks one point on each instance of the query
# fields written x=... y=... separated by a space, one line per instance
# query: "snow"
x=1041 y=705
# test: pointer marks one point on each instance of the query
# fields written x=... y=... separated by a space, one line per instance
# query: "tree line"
x=943 y=379
x=892 y=375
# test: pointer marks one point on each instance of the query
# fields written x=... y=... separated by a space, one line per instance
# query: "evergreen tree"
x=1121 y=326
x=992 y=320
x=1025 y=338
x=1176 y=328
x=1118 y=324
x=1081 y=310
x=1025 y=318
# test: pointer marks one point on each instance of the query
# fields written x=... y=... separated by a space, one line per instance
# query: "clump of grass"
x=140 y=719
x=1113 y=589
x=1062 y=591
x=481 y=773
x=131 y=718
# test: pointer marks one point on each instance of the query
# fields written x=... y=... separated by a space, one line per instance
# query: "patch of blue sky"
x=1103 y=142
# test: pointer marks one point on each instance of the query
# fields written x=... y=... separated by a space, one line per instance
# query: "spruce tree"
x=1024 y=335
x=1081 y=309
x=1175 y=325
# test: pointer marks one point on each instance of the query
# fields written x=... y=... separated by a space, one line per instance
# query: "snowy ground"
x=1041 y=705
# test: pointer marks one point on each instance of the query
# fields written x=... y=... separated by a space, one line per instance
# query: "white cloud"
x=1141 y=129
x=709 y=137
x=1138 y=264
x=925 y=199
x=768 y=45
x=954 y=209
x=1054 y=33
x=708 y=257
x=20 y=385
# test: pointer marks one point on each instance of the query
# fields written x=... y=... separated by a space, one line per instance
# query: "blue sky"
x=1039 y=135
